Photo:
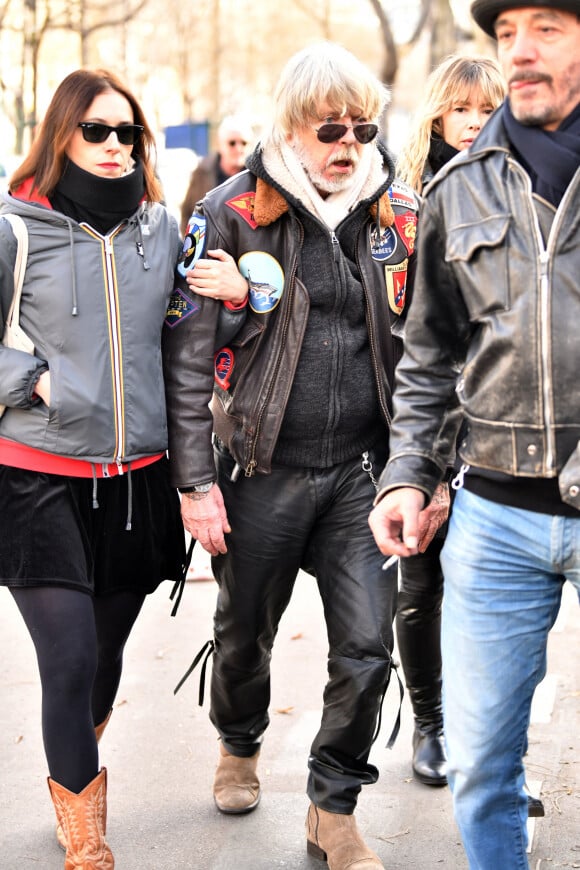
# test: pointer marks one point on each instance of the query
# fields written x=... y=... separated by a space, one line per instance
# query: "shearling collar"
x=270 y=203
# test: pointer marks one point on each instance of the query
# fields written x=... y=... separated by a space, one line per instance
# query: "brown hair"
x=46 y=158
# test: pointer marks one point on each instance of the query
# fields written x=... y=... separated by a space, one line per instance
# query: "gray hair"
x=327 y=74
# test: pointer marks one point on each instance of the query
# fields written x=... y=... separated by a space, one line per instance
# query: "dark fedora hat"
x=486 y=11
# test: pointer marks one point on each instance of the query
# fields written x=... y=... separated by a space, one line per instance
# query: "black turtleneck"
x=100 y=202
x=440 y=152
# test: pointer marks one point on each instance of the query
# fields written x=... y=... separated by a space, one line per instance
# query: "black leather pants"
x=315 y=520
x=419 y=632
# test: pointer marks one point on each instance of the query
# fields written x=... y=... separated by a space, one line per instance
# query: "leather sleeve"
x=188 y=364
x=437 y=331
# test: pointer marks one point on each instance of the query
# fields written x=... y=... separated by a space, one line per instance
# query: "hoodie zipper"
x=115 y=341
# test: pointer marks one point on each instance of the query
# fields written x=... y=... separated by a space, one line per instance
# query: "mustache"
x=530 y=76
x=348 y=153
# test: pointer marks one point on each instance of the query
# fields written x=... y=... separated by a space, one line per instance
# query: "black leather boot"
x=418 y=626
x=429 y=758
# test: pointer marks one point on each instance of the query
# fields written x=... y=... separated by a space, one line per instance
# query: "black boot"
x=429 y=758
x=418 y=625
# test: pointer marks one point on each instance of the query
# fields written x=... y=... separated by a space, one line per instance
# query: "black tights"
x=79 y=644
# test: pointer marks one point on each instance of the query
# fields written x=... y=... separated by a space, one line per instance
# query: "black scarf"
x=440 y=152
x=101 y=202
x=551 y=157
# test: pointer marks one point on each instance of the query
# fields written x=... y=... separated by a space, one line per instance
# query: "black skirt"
x=52 y=533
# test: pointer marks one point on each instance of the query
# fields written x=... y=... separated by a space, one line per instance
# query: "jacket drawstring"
x=75 y=307
x=95 y=500
x=129 y=498
x=141 y=246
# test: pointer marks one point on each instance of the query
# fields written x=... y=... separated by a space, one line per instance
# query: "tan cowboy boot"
x=82 y=818
x=335 y=838
x=236 y=787
x=98 y=734
x=100 y=728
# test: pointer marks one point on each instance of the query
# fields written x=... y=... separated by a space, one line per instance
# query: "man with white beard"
x=324 y=237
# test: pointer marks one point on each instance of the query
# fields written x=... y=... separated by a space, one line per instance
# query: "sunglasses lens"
x=96 y=134
x=128 y=134
x=331 y=132
x=365 y=133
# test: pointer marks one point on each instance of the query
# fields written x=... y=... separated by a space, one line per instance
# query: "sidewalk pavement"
x=160 y=751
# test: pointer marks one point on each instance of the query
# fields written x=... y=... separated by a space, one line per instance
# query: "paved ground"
x=160 y=752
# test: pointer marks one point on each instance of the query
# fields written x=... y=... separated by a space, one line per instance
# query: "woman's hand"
x=219 y=278
x=42 y=388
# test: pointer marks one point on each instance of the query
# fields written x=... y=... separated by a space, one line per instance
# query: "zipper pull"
x=458 y=480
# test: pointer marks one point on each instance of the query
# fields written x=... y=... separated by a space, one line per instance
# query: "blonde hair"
x=326 y=74
x=450 y=84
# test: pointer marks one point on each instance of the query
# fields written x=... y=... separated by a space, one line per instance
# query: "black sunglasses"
x=363 y=133
x=127 y=134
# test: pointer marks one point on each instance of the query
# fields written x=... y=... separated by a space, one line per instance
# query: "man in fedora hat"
x=493 y=330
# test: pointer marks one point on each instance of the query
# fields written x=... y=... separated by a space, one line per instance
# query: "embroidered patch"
x=383 y=247
x=244 y=206
x=266 y=279
x=223 y=367
x=193 y=244
x=396 y=281
x=400 y=194
x=407 y=228
x=180 y=308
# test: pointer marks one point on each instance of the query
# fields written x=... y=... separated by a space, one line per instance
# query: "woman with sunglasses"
x=90 y=524
x=460 y=95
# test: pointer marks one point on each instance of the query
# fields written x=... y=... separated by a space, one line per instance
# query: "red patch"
x=244 y=206
x=396 y=281
x=406 y=225
x=223 y=367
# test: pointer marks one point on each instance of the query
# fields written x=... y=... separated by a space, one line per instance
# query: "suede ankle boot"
x=335 y=838
x=83 y=821
x=236 y=787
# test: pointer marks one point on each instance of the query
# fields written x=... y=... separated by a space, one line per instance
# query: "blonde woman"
x=461 y=94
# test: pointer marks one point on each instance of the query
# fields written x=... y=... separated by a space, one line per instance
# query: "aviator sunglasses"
x=363 y=133
x=95 y=133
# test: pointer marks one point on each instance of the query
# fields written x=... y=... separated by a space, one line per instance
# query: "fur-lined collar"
x=270 y=204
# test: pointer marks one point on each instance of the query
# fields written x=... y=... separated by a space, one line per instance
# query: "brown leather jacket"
x=251 y=379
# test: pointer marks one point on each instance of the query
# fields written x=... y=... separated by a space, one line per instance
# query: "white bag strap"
x=21 y=234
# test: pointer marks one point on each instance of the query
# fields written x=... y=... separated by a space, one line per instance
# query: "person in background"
x=460 y=95
x=90 y=523
x=324 y=236
x=496 y=296
x=234 y=136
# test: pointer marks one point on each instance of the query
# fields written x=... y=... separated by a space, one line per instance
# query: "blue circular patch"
x=266 y=279
x=384 y=246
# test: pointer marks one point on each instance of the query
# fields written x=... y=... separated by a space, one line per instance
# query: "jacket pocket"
x=478 y=253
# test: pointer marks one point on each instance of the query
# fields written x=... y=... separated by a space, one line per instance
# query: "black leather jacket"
x=496 y=300
x=252 y=377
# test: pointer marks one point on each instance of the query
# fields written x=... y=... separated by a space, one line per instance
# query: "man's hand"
x=395 y=522
x=218 y=277
x=433 y=517
x=206 y=520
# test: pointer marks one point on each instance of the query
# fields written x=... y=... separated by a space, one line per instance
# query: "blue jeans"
x=504 y=570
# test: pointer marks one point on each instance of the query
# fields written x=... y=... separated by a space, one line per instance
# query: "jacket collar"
x=28 y=193
x=271 y=201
